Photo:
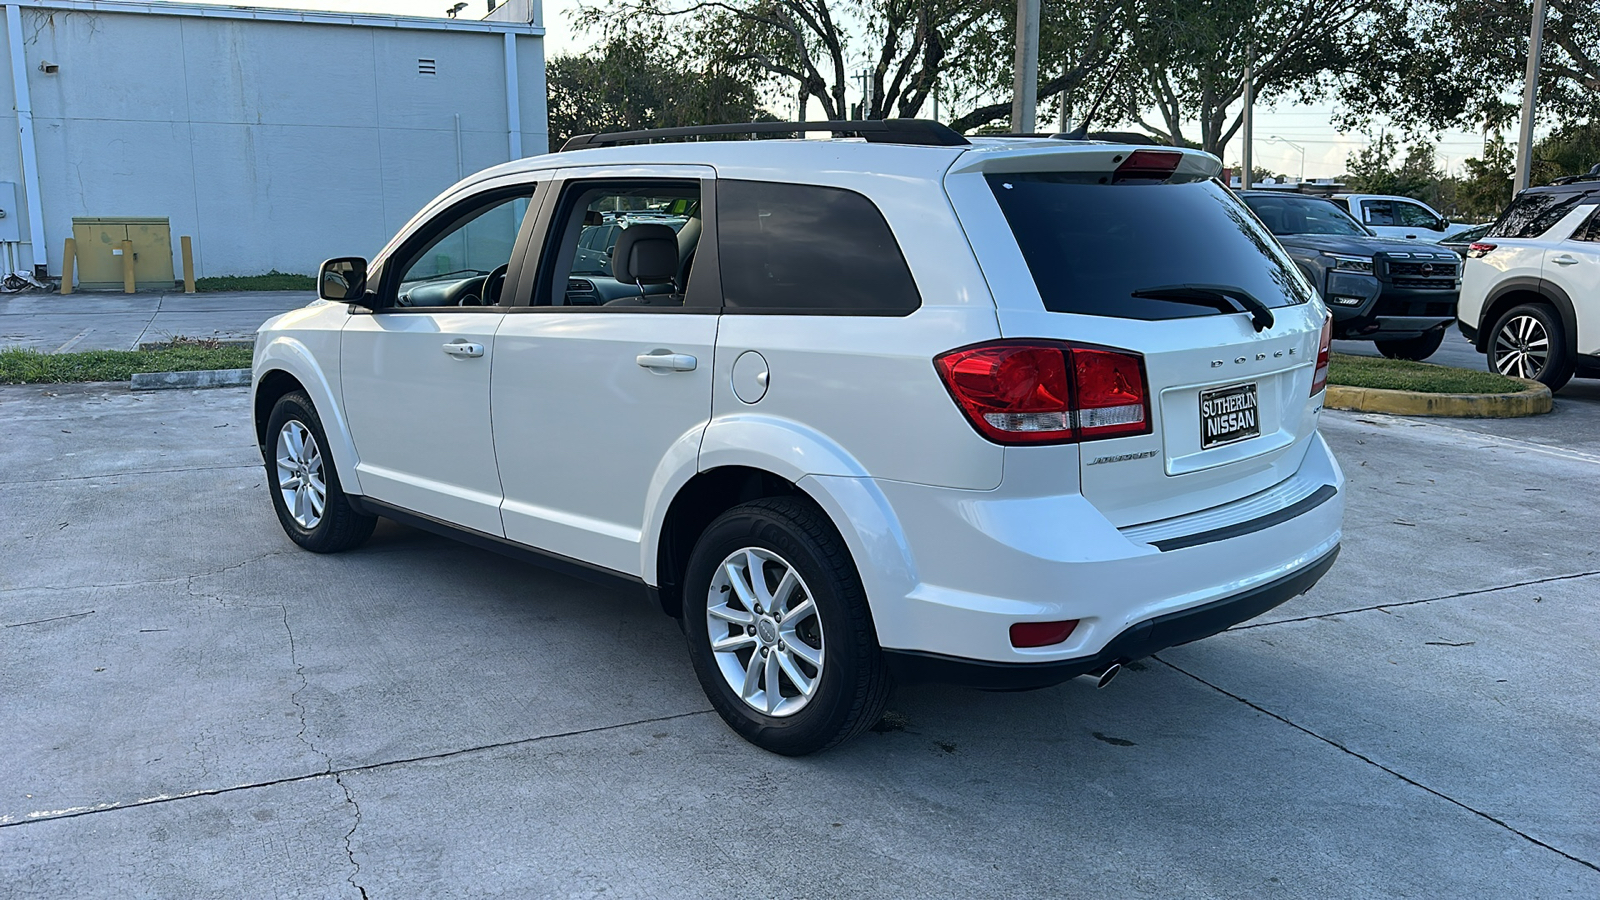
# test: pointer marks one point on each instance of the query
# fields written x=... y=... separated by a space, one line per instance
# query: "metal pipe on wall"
x=30 y=159
x=513 y=98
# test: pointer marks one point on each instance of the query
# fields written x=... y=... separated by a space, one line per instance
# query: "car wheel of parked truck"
x=1417 y=348
x=779 y=629
x=311 y=505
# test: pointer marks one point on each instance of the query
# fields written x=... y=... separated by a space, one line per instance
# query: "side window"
x=622 y=244
x=1591 y=231
x=1531 y=215
x=1377 y=212
x=464 y=261
x=1413 y=216
x=794 y=248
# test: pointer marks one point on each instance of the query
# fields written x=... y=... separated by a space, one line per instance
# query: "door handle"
x=1564 y=260
x=463 y=349
x=668 y=362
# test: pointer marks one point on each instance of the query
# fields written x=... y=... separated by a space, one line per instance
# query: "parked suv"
x=1531 y=295
x=1401 y=295
x=998 y=413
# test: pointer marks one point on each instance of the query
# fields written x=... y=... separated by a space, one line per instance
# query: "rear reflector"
x=1479 y=250
x=1047 y=392
x=1147 y=165
x=1319 y=378
x=1041 y=634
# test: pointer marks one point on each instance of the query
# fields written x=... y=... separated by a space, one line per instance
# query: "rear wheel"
x=779 y=629
x=1529 y=341
x=1417 y=348
x=312 y=507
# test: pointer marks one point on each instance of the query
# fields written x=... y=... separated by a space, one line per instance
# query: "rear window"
x=1091 y=246
x=1532 y=214
x=795 y=248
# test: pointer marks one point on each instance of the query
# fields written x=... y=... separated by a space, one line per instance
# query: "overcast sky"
x=1307 y=126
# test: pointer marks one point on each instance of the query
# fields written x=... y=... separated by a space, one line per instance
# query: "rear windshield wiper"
x=1215 y=296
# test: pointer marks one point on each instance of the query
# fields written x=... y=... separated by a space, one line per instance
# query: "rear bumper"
x=1136 y=642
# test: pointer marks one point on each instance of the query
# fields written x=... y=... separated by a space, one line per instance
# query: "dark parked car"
x=1459 y=243
x=1401 y=295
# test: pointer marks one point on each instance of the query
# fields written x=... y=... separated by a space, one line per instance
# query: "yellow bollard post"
x=127 y=267
x=69 y=262
x=188 y=264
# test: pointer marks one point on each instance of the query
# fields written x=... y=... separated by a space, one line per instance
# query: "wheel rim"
x=1522 y=347
x=300 y=479
x=765 y=633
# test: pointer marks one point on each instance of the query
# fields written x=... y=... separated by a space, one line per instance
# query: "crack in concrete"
x=65 y=478
x=149 y=582
x=1386 y=606
x=1380 y=766
x=112 y=806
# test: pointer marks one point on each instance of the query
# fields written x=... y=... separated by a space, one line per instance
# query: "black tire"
x=852 y=684
x=340 y=527
x=1515 y=342
x=1417 y=348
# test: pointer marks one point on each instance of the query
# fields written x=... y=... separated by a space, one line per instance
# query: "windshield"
x=1091 y=248
x=1304 y=215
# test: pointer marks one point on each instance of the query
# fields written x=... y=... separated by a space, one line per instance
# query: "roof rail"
x=924 y=132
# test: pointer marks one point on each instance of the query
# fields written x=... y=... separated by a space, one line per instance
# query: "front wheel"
x=1529 y=341
x=779 y=629
x=312 y=507
x=1417 y=348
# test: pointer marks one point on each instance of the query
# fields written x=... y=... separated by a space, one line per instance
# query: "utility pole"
x=1249 y=121
x=1530 y=89
x=1025 y=86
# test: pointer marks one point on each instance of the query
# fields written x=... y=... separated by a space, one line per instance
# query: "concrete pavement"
x=51 y=323
x=196 y=708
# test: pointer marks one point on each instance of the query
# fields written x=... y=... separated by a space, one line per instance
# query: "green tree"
x=1374 y=170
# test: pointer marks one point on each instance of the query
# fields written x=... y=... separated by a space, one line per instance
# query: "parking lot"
x=195 y=708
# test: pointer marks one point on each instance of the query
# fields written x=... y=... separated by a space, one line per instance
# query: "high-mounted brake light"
x=1047 y=392
x=1147 y=165
x=1478 y=249
x=1319 y=378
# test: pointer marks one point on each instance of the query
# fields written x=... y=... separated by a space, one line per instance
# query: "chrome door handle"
x=463 y=349
x=669 y=362
x=1565 y=260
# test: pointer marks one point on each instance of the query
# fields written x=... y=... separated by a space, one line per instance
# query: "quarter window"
x=1532 y=214
x=794 y=248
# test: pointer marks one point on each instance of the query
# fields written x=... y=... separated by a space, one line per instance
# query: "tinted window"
x=799 y=248
x=1414 y=216
x=1091 y=246
x=1590 y=232
x=1532 y=214
x=1377 y=212
x=1302 y=215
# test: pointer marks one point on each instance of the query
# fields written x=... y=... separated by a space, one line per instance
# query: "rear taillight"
x=1478 y=249
x=1048 y=392
x=1319 y=378
x=1147 y=165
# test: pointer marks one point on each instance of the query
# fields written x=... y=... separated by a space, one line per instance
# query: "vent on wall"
x=427 y=67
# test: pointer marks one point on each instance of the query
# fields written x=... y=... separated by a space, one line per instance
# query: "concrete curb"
x=1533 y=400
x=211 y=378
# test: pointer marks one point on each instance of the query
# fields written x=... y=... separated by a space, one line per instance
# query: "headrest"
x=593 y=217
x=645 y=254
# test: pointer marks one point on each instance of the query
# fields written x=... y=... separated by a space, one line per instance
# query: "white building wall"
x=274 y=144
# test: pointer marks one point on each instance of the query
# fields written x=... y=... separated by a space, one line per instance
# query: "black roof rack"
x=923 y=132
x=1594 y=175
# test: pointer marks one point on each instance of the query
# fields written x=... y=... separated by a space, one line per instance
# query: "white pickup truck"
x=1399 y=217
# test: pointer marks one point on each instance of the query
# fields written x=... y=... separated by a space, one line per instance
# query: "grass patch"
x=272 y=281
x=1405 y=375
x=19 y=366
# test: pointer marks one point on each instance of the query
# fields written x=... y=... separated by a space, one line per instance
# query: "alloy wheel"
x=765 y=632
x=300 y=478
x=1522 y=348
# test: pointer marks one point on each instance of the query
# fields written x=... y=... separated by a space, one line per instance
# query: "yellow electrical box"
x=100 y=252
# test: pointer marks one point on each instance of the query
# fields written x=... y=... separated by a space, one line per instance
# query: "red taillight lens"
x=1041 y=634
x=1047 y=392
x=1147 y=165
x=1319 y=378
x=1478 y=249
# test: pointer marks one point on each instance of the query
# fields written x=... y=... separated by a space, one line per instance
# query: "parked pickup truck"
x=1399 y=217
x=1401 y=295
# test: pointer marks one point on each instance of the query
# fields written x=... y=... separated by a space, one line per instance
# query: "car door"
x=601 y=383
x=416 y=369
x=1573 y=265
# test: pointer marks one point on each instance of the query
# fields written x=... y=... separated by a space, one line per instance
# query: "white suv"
x=858 y=412
x=1530 y=292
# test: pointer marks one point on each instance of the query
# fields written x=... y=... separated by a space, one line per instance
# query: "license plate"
x=1228 y=414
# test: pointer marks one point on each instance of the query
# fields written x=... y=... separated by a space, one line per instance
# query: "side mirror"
x=1443 y=224
x=343 y=280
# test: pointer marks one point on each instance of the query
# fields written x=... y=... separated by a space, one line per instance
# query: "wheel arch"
x=283 y=366
x=1516 y=292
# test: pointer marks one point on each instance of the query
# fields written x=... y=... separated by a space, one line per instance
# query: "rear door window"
x=1090 y=247
x=1532 y=214
x=796 y=248
x=1377 y=212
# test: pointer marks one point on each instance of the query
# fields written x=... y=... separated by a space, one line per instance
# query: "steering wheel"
x=494 y=284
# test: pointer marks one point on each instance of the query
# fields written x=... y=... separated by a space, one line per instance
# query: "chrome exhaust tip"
x=1103 y=677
